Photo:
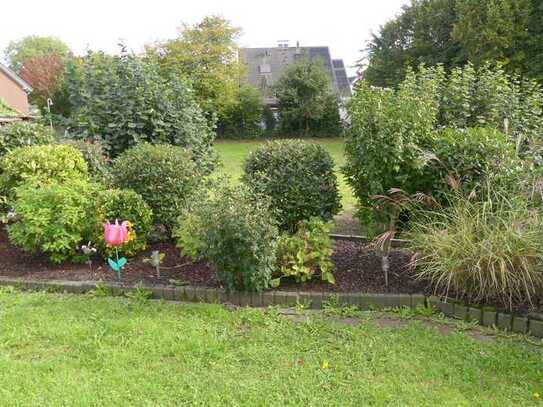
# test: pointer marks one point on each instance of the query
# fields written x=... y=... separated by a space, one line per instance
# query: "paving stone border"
x=524 y=324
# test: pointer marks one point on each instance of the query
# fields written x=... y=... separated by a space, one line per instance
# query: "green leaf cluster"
x=21 y=134
x=307 y=252
x=94 y=156
x=431 y=126
x=40 y=165
x=307 y=104
x=54 y=219
x=453 y=32
x=17 y=52
x=206 y=53
x=243 y=119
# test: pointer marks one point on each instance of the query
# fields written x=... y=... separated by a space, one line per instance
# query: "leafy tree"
x=453 y=32
x=420 y=34
x=18 y=52
x=244 y=118
x=205 y=53
x=45 y=74
x=123 y=100
x=306 y=101
x=493 y=31
x=534 y=46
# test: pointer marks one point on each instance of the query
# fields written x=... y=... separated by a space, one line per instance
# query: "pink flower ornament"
x=116 y=234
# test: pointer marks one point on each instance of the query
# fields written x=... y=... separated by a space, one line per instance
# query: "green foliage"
x=123 y=100
x=420 y=34
x=164 y=175
x=40 y=165
x=244 y=118
x=390 y=131
x=21 y=134
x=124 y=205
x=6 y=111
x=299 y=179
x=94 y=156
x=488 y=250
x=489 y=97
x=206 y=53
x=471 y=156
x=307 y=251
x=452 y=32
x=494 y=31
x=233 y=230
x=307 y=106
x=17 y=52
x=54 y=219
x=396 y=138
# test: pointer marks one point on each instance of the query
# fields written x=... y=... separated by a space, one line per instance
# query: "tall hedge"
x=398 y=135
x=123 y=100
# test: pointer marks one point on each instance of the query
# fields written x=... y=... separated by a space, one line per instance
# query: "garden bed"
x=357 y=270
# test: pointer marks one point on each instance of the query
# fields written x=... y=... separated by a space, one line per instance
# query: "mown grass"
x=234 y=152
x=77 y=350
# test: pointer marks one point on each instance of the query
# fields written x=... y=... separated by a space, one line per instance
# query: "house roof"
x=266 y=65
x=16 y=78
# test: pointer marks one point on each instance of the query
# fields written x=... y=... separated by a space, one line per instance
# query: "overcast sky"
x=344 y=25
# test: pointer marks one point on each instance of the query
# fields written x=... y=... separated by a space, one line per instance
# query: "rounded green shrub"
x=21 y=134
x=234 y=231
x=40 y=165
x=164 y=175
x=299 y=179
x=54 y=219
x=124 y=205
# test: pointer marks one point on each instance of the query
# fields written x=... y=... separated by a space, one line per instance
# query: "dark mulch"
x=357 y=269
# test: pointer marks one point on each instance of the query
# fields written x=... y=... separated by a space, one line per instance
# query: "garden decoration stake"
x=155 y=260
x=88 y=251
x=392 y=204
x=116 y=235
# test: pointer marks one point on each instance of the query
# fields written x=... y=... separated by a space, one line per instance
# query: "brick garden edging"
x=532 y=323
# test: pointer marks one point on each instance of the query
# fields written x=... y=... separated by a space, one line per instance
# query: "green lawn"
x=233 y=153
x=79 y=351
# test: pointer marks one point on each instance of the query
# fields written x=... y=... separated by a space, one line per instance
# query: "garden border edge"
x=524 y=324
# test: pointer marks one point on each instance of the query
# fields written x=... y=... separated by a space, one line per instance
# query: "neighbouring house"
x=264 y=67
x=13 y=96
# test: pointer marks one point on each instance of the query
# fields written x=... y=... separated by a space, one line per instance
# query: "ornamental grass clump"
x=488 y=251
